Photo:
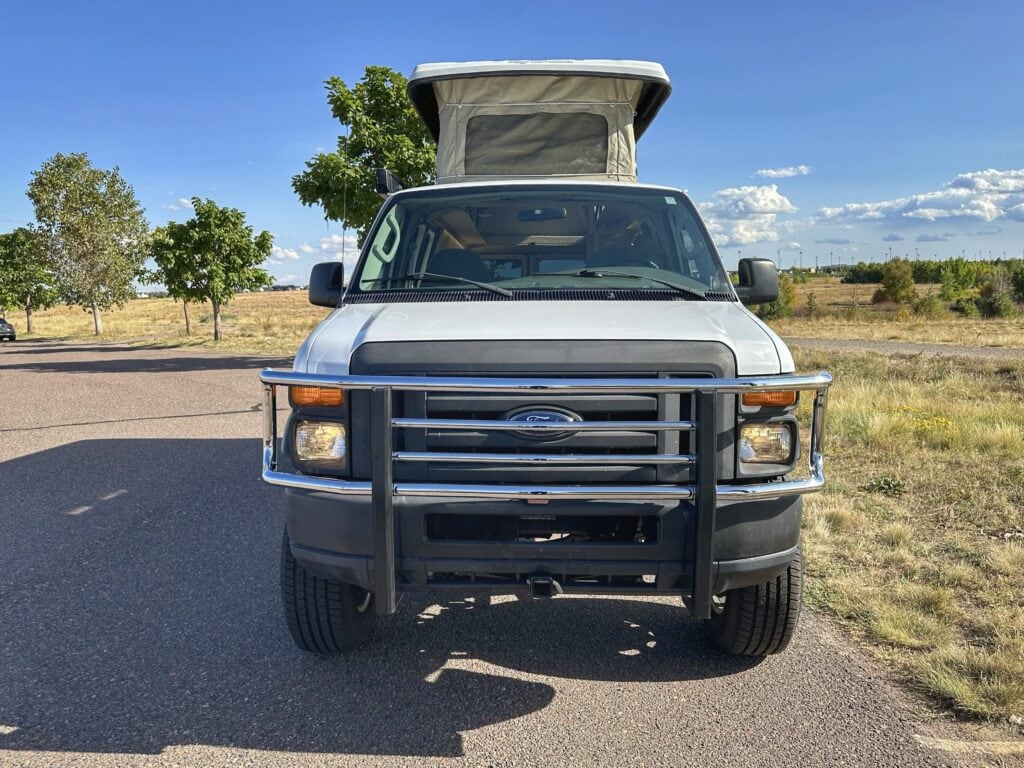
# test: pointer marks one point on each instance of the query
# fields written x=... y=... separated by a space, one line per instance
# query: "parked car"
x=7 y=332
x=540 y=378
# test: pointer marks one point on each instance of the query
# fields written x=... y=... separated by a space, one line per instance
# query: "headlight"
x=766 y=443
x=320 y=441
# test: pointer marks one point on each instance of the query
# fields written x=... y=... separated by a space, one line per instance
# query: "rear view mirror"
x=326 y=283
x=759 y=281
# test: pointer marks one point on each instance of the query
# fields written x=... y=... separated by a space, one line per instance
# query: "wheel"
x=324 y=617
x=760 y=620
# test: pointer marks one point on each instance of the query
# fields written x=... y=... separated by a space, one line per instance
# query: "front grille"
x=632 y=445
x=566 y=359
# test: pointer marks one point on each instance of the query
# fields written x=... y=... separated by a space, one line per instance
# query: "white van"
x=541 y=378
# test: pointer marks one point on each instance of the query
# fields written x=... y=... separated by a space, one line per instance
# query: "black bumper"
x=753 y=541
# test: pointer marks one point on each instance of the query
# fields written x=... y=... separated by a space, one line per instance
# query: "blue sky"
x=901 y=124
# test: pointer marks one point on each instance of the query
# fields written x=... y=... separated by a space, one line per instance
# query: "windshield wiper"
x=600 y=272
x=434 y=277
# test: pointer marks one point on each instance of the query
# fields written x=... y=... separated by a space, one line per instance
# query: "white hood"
x=757 y=349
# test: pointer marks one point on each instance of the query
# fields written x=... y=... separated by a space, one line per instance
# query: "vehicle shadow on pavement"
x=141 y=611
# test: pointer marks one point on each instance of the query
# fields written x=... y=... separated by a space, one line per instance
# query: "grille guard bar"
x=705 y=492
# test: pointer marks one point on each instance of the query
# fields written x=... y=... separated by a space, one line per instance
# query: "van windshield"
x=541 y=237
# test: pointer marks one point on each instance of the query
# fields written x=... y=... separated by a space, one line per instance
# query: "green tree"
x=384 y=132
x=94 y=231
x=210 y=257
x=958 y=277
x=783 y=305
x=898 y=282
x=26 y=280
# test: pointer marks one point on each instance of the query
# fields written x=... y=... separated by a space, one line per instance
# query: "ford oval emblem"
x=544 y=415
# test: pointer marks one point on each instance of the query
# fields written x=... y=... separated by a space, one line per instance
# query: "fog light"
x=319 y=441
x=766 y=443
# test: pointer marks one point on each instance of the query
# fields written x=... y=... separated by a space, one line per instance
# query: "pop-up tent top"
x=500 y=119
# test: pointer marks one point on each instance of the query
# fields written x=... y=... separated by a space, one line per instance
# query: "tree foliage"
x=898 y=281
x=958 y=277
x=783 y=305
x=26 y=280
x=211 y=256
x=93 y=230
x=384 y=132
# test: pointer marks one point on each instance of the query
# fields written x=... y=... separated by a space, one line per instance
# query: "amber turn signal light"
x=779 y=398
x=322 y=397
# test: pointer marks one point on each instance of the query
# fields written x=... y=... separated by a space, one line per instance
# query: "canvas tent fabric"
x=500 y=119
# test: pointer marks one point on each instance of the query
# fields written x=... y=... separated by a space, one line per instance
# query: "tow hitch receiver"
x=543 y=586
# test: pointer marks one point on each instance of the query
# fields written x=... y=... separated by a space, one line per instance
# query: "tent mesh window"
x=537 y=144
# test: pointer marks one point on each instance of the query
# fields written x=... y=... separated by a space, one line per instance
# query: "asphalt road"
x=141 y=625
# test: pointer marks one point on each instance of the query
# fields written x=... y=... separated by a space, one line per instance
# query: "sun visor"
x=497 y=120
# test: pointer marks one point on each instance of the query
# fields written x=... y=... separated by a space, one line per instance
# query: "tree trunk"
x=97 y=323
x=28 y=318
x=216 y=321
x=188 y=321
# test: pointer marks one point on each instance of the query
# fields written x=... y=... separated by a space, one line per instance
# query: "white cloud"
x=288 y=279
x=338 y=243
x=343 y=247
x=182 y=203
x=784 y=173
x=834 y=241
x=744 y=215
x=892 y=237
x=279 y=255
x=285 y=254
x=978 y=196
x=793 y=246
x=307 y=248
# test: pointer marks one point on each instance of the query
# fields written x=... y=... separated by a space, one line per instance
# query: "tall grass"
x=918 y=543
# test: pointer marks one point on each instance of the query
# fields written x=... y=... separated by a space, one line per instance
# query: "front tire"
x=760 y=620
x=324 y=617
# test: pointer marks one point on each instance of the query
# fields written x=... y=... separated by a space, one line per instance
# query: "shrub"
x=1017 y=280
x=886 y=485
x=958 y=278
x=996 y=299
x=811 y=307
x=783 y=305
x=898 y=281
x=997 y=304
x=930 y=306
x=863 y=273
x=879 y=296
x=967 y=307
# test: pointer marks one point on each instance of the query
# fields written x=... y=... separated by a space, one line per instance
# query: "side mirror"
x=759 y=281
x=386 y=183
x=326 y=283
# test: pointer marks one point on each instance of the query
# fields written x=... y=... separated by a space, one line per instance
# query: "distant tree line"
x=933 y=271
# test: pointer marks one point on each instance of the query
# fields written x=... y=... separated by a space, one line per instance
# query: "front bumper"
x=753 y=541
x=691 y=530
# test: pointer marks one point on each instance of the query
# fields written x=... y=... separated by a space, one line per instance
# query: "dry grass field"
x=918 y=544
x=845 y=312
x=270 y=323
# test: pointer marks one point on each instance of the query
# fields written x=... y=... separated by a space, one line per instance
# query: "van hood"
x=757 y=349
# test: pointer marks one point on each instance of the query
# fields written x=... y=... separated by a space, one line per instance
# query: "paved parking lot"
x=141 y=626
